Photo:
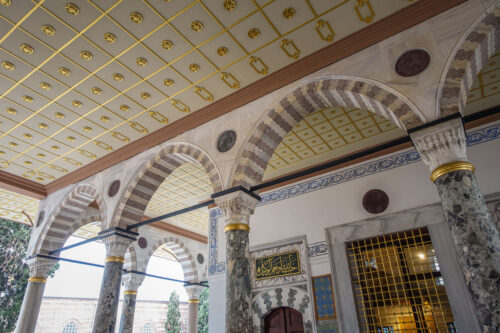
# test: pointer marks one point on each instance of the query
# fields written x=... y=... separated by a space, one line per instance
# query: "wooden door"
x=284 y=320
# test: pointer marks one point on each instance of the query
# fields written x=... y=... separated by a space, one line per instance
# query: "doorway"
x=284 y=320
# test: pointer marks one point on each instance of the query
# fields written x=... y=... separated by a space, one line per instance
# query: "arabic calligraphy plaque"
x=277 y=265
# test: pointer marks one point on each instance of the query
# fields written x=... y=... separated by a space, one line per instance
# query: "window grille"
x=397 y=284
x=148 y=328
x=70 y=327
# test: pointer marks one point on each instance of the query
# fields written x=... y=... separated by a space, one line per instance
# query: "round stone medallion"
x=412 y=62
x=142 y=242
x=375 y=201
x=200 y=258
x=113 y=188
x=226 y=141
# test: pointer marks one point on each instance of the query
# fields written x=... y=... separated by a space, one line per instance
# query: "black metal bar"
x=77 y=244
x=235 y=189
x=165 y=216
x=434 y=122
x=118 y=230
x=482 y=114
x=168 y=279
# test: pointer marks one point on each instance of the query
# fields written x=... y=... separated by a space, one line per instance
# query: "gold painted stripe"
x=237 y=226
x=193 y=301
x=37 y=279
x=28 y=14
x=449 y=167
x=130 y=292
x=115 y=259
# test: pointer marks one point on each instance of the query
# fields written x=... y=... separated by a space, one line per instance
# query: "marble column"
x=477 y=241
x=194 y=292
x=130 y=283
x=107 y=306
x=236 y=208
x=39 y=271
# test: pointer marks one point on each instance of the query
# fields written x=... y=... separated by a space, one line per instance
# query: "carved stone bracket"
x=194 y=291
x=132 y=281
x=40 y=267
x=116 y=245
x=236 y=207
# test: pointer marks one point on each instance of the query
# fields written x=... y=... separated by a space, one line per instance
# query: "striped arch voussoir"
x=66 y=218
x=140 y=190
x=476 y=48
x=352 y=92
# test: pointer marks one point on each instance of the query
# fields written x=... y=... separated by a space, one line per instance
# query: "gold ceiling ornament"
x=167 y=44
x=59 y=115
x=44 y=174
x=222 y=51
x=324 y=30
x=55 y=148
x=258 y=65
x=45 y=86
x=48 y=30
x=87 y=154
x=40 y=179
x=289 y=12
x=28 y=136
x=77 y=104
x=11 y=111
x=72 y=9
x=28 y=162
x=197 y=26
x=204 y=93
x=87 y=129
x=2 y=152
x=71 y=138
x=230 y=80
x=145 y=95
x=364 y=10
x=27 y=49
x=64 y=71
x=97 y=91
x=13 y=144
x=158 y=117
x=41 y=155
x=141 y=62
x=86 y=55
x=290 y=49
x=230 y=5
x=109 y=37
x=27 y=99
x=105 y=119
x=118 y=77
x=120 y=136
x=124 y=107
x=8 y=65
x=194 y=68
x=254 y=33
x=72 y=161
x=180 y=106
x=136 y=17
x=4 y=164
x=138 y=127
x=6 y=3
x=103 y=145
x=29 y=174
x=168 y=82
x=58 y=168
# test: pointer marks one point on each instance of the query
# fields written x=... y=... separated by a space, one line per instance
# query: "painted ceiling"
x=485 y=91
x=81 y=79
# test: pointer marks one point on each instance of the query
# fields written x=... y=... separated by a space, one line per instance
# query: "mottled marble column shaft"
x=238 y=288
x=107 y=307
x=28 y=316
x=192 y=324
x=128 y=311
x=476 y=240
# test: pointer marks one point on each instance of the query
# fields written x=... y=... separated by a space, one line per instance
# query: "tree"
x=203 y=312
x=14 y=274
x=173 y=325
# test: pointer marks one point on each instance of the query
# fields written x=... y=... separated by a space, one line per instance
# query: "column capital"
x=132 y=281
x=116 y=246
x=237 y=207
x=194 y=292
x=441 y=144
x=40 y=268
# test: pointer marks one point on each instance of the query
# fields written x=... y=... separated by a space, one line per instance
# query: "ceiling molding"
x=177 y=230
x=22 y=185
x=376 y=32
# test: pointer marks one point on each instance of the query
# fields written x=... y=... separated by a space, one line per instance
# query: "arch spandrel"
x=345 y=91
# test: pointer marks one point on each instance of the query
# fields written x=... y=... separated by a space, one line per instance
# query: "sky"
x=76 y=280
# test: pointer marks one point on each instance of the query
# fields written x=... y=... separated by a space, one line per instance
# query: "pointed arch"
x=67 y=217
x=472 y=51
x=346 y=91
x=146 y=181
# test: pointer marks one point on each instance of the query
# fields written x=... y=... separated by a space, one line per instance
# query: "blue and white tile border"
x=474 y=137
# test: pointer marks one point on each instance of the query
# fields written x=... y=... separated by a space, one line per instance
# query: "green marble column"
x=130 y=283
